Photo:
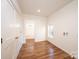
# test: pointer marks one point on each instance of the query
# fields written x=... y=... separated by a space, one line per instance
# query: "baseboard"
x=74 y=54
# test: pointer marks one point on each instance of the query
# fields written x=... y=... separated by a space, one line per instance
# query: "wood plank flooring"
x=41 y=50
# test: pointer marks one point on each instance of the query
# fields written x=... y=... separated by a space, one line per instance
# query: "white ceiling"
x=47 y=7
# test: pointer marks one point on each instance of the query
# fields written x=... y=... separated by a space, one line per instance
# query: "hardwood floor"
x=41 y=50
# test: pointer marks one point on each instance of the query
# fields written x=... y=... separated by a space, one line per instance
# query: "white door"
x=50 y=31
x=30 y=30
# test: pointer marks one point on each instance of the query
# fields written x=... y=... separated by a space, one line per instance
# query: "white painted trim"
x=75 y=54
x=14 y=6
x=10 y=3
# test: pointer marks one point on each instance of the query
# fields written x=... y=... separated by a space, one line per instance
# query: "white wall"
x=11 y=27
x=39 y=25
x=65 y=20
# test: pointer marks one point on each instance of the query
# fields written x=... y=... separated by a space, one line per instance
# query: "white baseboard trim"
x=74 y=53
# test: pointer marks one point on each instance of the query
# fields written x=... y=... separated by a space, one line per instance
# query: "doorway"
x=30 y=30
